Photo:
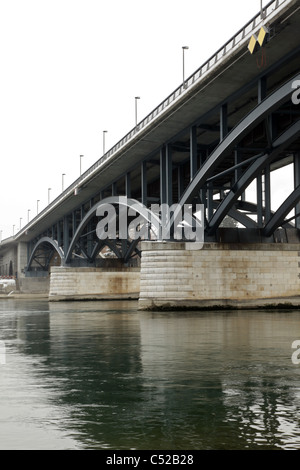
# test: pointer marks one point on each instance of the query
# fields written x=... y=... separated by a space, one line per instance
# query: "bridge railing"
x=233 y=42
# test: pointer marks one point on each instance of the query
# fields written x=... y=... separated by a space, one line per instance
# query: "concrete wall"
x=8 y=257
x=94 y=283
x=218 y=275
x=34 y=285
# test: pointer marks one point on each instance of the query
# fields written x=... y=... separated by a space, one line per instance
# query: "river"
x=103 y=375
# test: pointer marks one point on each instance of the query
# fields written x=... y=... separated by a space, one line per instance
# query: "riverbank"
x=278 y=303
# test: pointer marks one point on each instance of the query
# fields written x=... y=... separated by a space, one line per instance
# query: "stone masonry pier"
x=94 y=283
x=219 y=275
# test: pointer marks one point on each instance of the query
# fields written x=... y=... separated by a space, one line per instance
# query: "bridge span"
x=224 y=131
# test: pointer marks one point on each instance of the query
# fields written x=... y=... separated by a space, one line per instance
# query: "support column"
x=169 y=176
x=223 y=122
x=259 y=200
x=262 y=89
x=210 y=208
x=296 y=184
x=144 y=183
x=128 y=185
x=73 y=223
x=66 y=236
x=193 y=152
x=180 y=181
x=267 y=189
x=22 y=259
x=263 y=180
x=163 y=183
x=238 y=171
x=114 y=191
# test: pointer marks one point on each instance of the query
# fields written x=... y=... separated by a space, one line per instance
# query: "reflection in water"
x=103 y=375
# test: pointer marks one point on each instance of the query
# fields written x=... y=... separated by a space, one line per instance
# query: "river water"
x=103 y=375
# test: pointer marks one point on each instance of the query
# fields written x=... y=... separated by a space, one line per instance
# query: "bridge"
x=231 y=124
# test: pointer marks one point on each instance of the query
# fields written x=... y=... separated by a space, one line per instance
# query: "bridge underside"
x=225 y=159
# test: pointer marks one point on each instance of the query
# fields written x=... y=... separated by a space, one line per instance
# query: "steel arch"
x=45 y=241
x=256 y=116
x=250 y=174
x=121 y=200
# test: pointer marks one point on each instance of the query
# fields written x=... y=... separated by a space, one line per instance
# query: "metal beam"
x=259 y=199
x=252 y=172
x=66 y=234
x=278 y=218
x=144 y=183
x=128 y=184
x=193 y=151
x=296 y=184
x=163 y=176
x=169 y=175
x=267 y=193
x=223 y=122
x=262 y=89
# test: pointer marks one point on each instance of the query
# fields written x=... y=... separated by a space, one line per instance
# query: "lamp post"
x=104 y=132
x=62 y=181
x=37 y=206
x=136 y=100
x=184 y=48
x=13 y=230
x=80 y=158
x=49 y=189
x=28 y=211
x=20 y=223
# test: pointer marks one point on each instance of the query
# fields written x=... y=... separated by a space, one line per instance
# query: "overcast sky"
x=71 y=69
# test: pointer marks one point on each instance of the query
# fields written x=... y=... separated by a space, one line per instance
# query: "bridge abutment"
x=219 y=275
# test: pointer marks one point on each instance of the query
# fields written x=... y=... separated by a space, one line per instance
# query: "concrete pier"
x=219 y=275
x=94 y=283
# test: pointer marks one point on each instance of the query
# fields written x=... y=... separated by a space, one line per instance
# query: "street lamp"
x=20 y=223
x=136 y=100
x=261 y=10
x=104 y=132
x=37 y=206
x=80 y=157
x=184 y=48
x=62 y=181
x=49 y=189
x=28 y=211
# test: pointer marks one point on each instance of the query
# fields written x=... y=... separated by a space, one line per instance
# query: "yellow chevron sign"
x=259 y=40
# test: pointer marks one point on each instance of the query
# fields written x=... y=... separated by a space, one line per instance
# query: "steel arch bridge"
x=232 y=124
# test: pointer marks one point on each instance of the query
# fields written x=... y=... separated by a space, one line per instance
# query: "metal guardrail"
x=233 y=42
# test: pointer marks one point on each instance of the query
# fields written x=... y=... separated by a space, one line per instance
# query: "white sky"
x=71 y=69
